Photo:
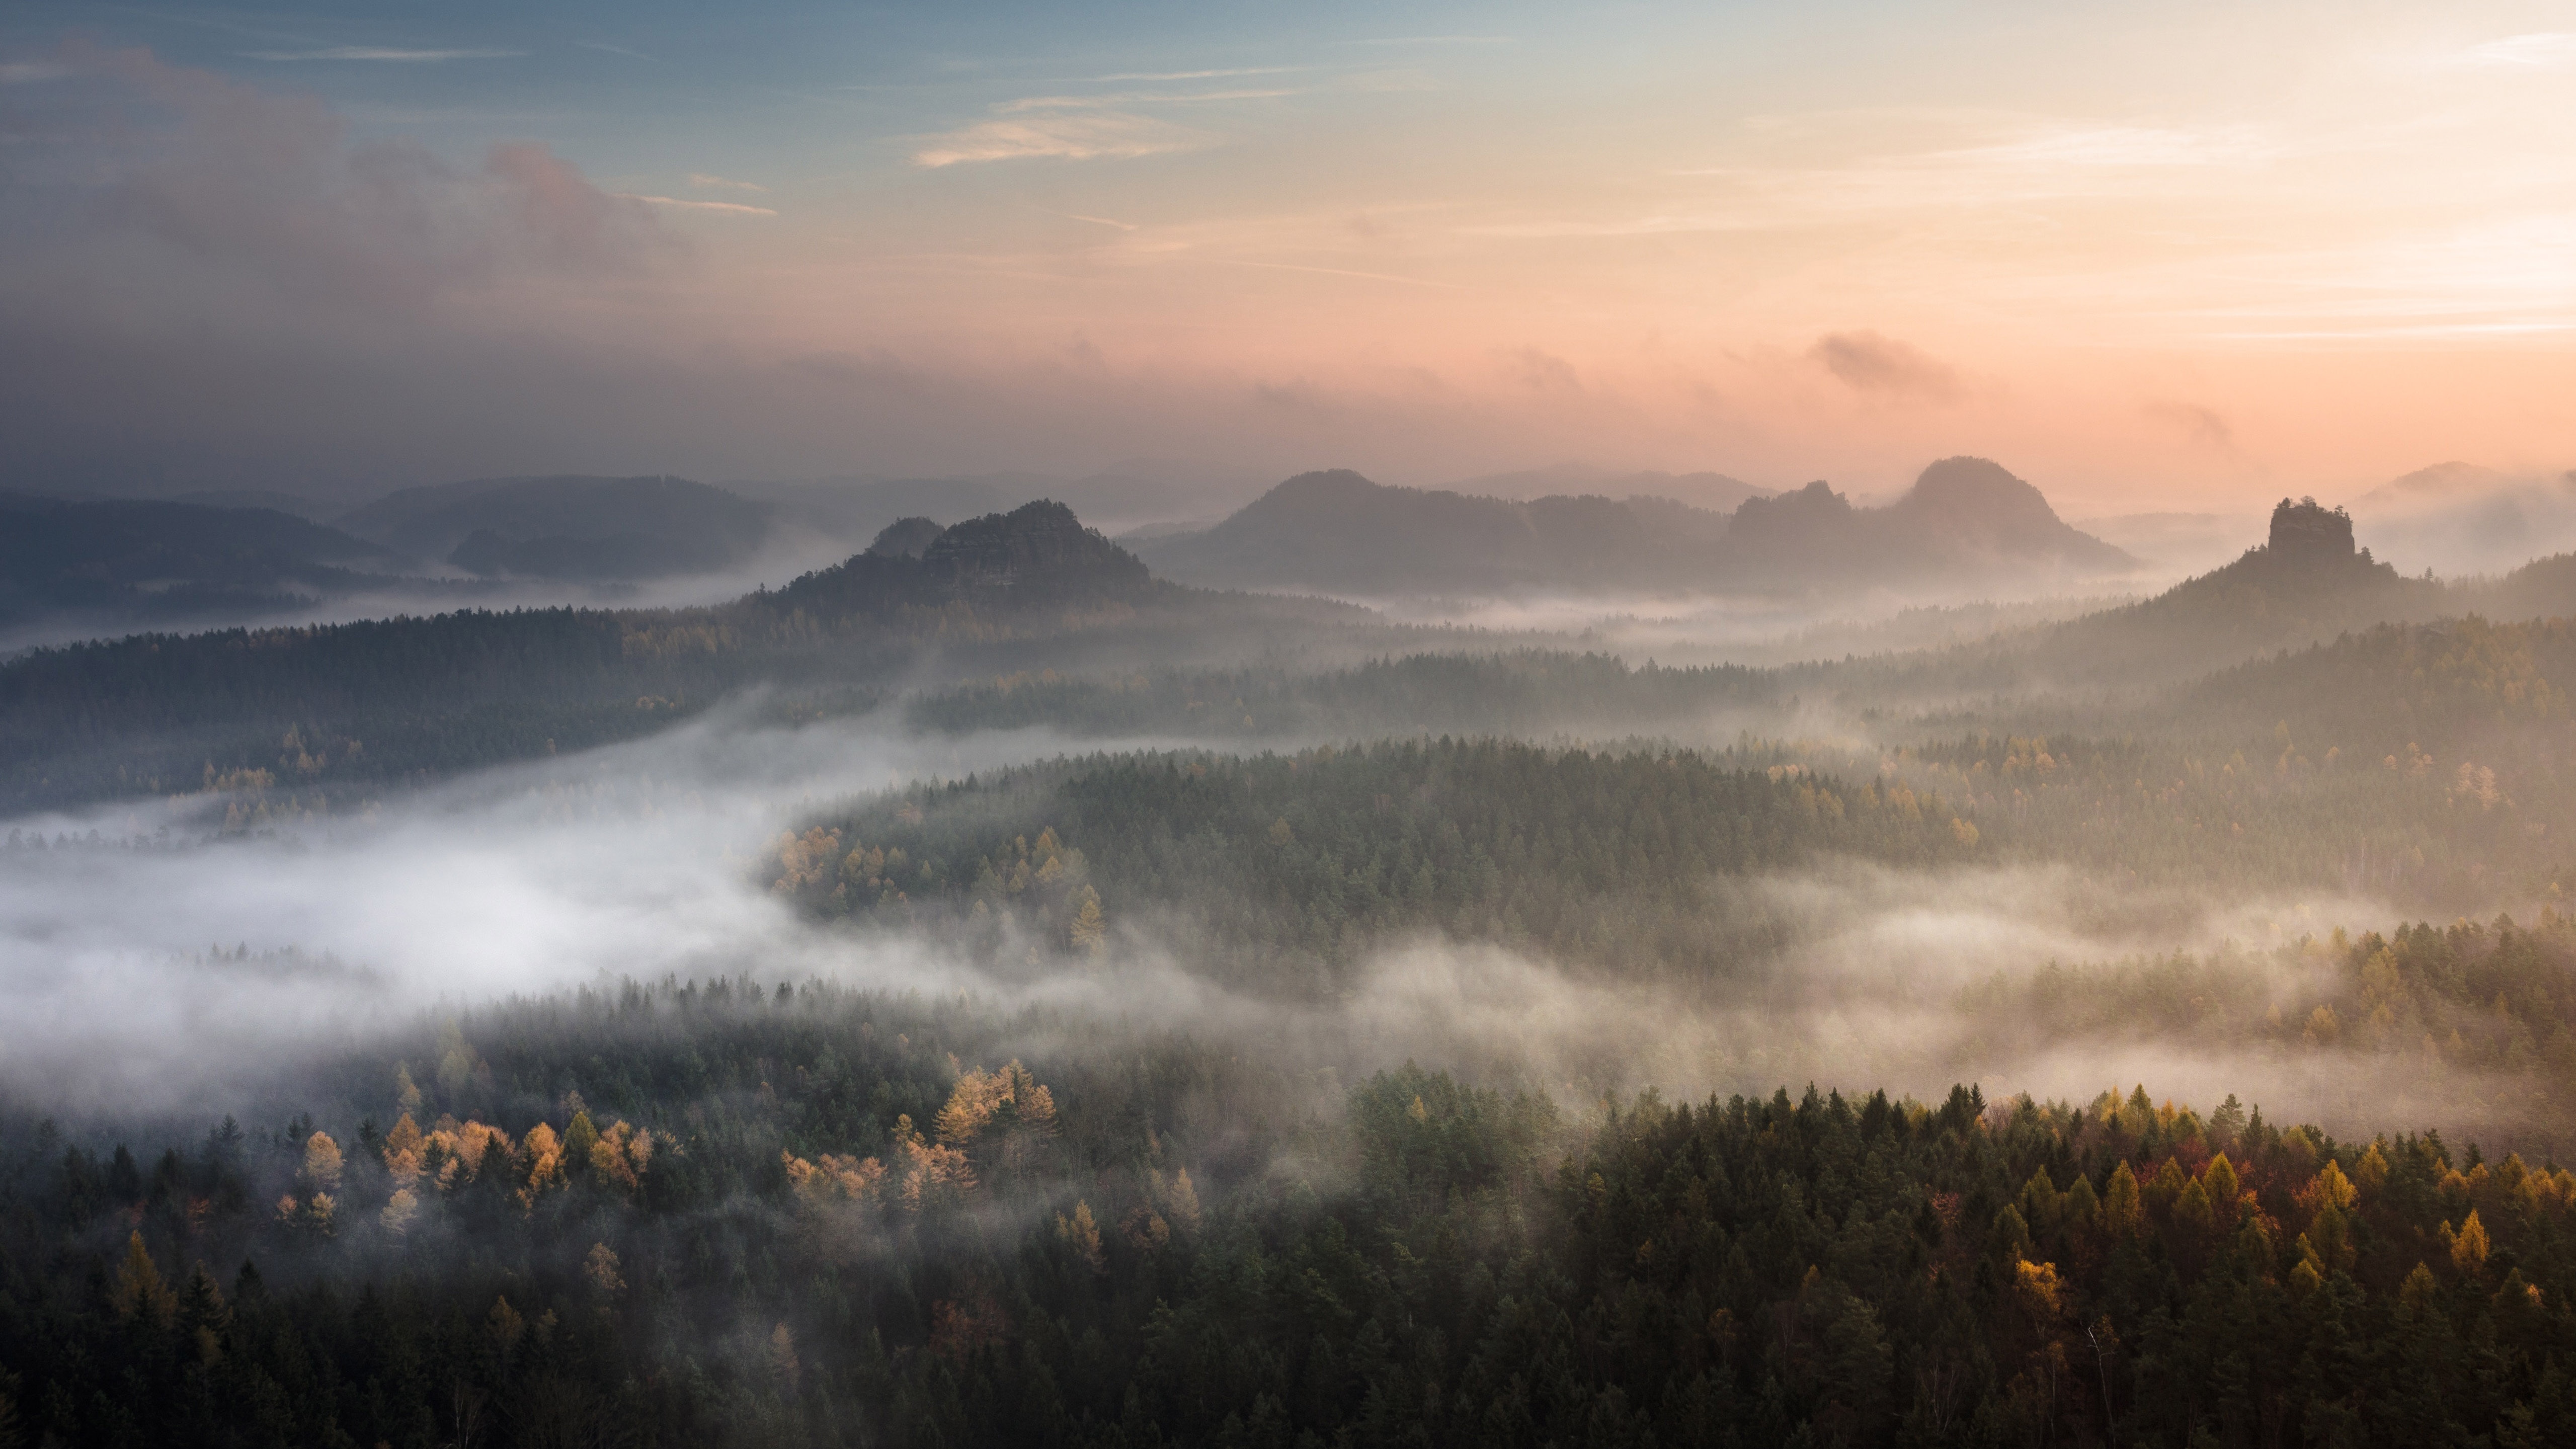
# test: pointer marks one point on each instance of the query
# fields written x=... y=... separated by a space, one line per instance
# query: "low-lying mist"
x=152 y=959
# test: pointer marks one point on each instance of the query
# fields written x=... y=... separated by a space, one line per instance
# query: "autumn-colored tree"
x=2219 y=1178
x=1180 y=1200
x=1081 y=1234
x=139 y=1290
x=601 y=1269
x=2468 y=1245
x=402 y=1151
x=833 y=1179
x=1089 y=931
x=2330 y=1188
x=540 y=1163
x=322 y=1161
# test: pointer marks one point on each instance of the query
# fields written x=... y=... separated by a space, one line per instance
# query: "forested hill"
x=1286 y=869
x=362 y=703
x=122 y=561
x=2304 y=585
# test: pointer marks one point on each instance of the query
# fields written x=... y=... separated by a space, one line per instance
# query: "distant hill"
x=1339 y=531
x=1715 y=492
x=127 y=561
x=1137 y=494
x=295 y=503
x=2459 y=518
x=570 y=527
x=408 y=698
x=1036 y=555
x=1964 y=523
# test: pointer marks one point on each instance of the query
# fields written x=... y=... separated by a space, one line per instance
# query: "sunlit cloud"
x=1076 y=136
x=702 y=179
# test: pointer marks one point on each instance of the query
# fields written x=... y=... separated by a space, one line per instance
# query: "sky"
x=2153 y=256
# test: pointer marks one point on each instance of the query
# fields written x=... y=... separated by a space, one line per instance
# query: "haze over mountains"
x=1966 y=521
x=1966 y=528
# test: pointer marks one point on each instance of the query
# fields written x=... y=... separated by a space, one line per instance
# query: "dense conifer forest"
x=722 y=1212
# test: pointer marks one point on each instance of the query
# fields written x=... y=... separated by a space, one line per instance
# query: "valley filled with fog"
x=839 y=1009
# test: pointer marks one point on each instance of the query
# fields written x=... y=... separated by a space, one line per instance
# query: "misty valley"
x=1708 y=966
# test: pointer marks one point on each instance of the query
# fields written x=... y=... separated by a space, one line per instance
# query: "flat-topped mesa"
x=2309 y=530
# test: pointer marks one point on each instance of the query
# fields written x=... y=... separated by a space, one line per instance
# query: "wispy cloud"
x=733 y=207
x=2541 y=50
x=2085 y=147
x=1179 y=75
x=1883 y=367
x=1069 y=136
x=1081 y=127
x=2036 y=165
x=21 y=72
x=607 y=49
x=719 y=183
x=383 y=53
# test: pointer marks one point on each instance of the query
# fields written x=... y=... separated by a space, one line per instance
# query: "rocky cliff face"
x=2308 y=530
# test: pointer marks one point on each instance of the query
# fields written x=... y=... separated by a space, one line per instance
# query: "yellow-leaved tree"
x=139 y=1290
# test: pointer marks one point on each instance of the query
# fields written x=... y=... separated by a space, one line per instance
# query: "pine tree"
x=2122 y=1214
x=138 y=1290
